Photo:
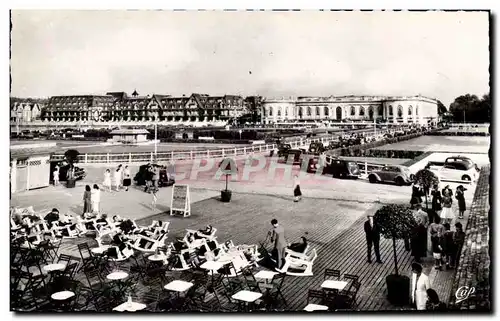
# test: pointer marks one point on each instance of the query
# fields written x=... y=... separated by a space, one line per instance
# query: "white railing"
x=188 y=155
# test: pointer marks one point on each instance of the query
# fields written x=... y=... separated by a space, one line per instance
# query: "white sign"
x=181 y=200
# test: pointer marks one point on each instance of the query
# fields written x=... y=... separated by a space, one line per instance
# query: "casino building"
x=119 y=107
x=390 y=109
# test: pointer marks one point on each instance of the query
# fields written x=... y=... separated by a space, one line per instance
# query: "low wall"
x=473 y=270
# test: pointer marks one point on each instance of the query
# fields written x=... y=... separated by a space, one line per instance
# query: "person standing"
x=458 y=241
x=96 y=199
x=126 y=178
x=448 y=247
x=154 y=178
x=459 y=195
x=372 y=238
x=297 y=193
x=87 y=200
x=279 y=240
x=447 y=213
x=118 y=178
x=416 y=194
x=55 y=176
x=419 y=285
x=107 y=180
x=418 y=240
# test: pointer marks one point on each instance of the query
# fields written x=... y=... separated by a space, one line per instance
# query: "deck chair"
x=147 y=244
x=305 y=265
x=297 y=255
x=182 y=261
x=205 y=236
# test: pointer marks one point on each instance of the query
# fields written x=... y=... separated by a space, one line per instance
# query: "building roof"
x=129 y=132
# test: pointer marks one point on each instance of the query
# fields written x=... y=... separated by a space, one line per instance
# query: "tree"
x=426 y=179
x=469 y=108
x=71 y=156
x=441 y=108
x=395 y=222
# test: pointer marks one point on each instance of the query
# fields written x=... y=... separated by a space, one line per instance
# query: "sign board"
x=181 y=200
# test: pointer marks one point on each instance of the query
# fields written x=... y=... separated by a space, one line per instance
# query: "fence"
x=95 y=158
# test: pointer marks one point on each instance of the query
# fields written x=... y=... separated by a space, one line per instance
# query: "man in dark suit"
x=372 y=238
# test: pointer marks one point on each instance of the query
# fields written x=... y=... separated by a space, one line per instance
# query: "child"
x=437 y=250
x=55 y=175
x=449 y=247
x=155 y=198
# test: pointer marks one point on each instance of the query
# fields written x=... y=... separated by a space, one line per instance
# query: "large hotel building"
x=119 y=107
x=400 y=110
x=199 y=109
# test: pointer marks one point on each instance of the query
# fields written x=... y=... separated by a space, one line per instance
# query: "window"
x=410 y=110
x=270 y=111
x=286 y=112
x=300 y=112
x=390 y=110
x=279 y=112
x=416 y=110
x=353 y=111
x=326 y=111
x=362 y=111
x=317 y=111
x=308 y=111
x=400 y=111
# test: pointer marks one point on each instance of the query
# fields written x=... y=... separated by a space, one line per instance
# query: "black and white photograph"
x=306 y=161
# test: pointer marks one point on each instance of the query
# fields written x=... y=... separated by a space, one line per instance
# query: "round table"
x=63 y=295
x=54 y=267
x=157 y=257
x=118 y=275
x=100 y=249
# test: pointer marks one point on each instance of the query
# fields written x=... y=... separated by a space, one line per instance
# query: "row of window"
x=353 y=111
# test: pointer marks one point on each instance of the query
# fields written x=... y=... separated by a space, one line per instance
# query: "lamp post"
x=240 y=131
x=156 y=137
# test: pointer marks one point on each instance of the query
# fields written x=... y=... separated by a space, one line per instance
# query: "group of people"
x=91 y=199
x=441 y=200
x=121 y=178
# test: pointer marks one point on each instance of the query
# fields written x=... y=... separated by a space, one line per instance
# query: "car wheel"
x=372 y=179
x=466 y=178
x=412 y=177
x=400 y=181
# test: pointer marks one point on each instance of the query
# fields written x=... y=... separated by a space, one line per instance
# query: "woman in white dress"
x=118 y=178
x=107 y=180
x=95 y=199
x=447 y=214
x=419 y=285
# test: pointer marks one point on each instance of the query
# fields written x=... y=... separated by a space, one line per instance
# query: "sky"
x=274 y=54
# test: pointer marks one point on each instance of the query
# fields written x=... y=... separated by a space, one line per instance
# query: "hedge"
x=417 y=159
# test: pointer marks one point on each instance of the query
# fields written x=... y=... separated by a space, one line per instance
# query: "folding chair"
x=319 y=300
x=88 y=260
x=330 y=273
x=274 y=294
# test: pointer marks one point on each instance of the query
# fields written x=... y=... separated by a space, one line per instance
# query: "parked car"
x=336 y=167
x=456 y=171
x=334 y=144
x=144 y=175
x=297 y=155
x=452 y=159
x=316 y=148
x=283 y=149
x=63 y=171
x=394 y=173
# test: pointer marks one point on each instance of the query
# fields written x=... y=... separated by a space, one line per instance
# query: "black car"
x=283 y=149
x=316 y=148
x=336 y=167
x=144 y=174
x=297 y=155
x=63 y=171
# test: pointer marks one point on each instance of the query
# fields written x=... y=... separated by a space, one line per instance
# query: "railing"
x=96 y=158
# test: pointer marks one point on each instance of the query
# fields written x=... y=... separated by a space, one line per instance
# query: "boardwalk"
x=335 y=230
